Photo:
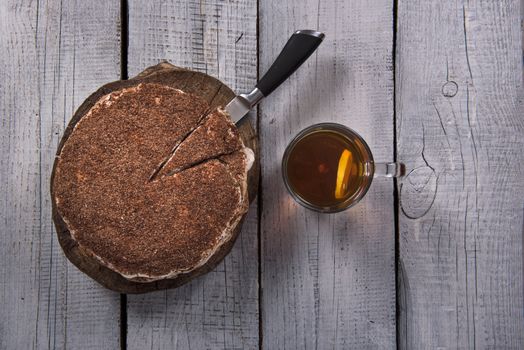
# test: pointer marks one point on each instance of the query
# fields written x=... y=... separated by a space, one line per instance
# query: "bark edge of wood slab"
x=216 y=94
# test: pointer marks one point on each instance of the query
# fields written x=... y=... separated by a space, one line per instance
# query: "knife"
x=297 y=49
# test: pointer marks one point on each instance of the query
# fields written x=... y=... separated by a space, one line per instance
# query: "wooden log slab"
x=216 y=94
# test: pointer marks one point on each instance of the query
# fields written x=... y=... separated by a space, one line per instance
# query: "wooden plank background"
x=460 y=130
x=452 y=93
x=328 y=281
x=52 y=55
x=220 y=309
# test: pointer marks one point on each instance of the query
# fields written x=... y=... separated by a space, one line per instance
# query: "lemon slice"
x=343 y=172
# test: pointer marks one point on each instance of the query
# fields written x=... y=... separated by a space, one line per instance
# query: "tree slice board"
x=216 y=94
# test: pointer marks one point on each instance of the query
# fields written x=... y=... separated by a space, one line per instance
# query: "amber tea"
x=327 y=167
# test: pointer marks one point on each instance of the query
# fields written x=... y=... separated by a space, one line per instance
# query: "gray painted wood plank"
x=52 y=55
x=459 y=127
x=328 y=281
x=218 y=310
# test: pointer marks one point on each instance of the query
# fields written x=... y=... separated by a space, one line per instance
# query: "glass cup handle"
x=389 y=170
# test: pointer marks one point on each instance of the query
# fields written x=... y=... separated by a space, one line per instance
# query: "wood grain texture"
x=328 y=281
x=459 y=128
x=220 y=309
x=52 y=54
x=216 y=94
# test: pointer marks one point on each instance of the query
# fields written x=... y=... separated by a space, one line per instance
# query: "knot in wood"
x=418 y=191
x=449 y=89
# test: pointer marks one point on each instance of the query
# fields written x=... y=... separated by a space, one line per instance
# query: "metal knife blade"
x=242 y=104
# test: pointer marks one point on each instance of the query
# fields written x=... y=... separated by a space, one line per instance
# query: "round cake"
x=152 y=181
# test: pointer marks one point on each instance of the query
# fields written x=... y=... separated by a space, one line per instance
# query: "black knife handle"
x=298 y=48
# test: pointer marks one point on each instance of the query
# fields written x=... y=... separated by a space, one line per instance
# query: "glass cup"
x=328 y=168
